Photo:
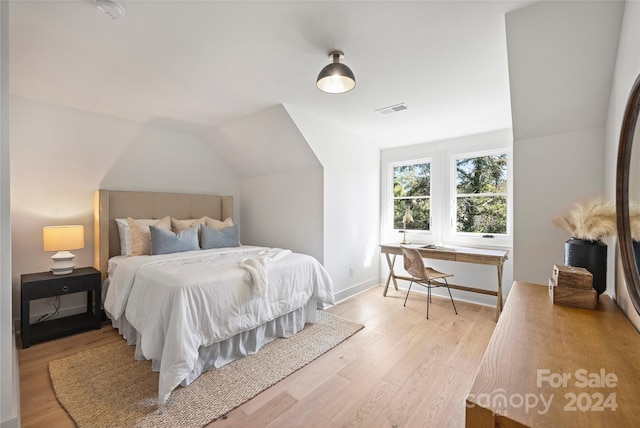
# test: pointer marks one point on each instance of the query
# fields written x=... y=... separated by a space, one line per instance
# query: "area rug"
x=106 y=387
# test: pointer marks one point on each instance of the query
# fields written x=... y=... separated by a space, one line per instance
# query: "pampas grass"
x=592 y=220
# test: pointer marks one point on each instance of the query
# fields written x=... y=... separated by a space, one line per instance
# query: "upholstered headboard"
x=109 y=205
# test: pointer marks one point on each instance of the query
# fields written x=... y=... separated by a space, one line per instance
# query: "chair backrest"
x=413 y=262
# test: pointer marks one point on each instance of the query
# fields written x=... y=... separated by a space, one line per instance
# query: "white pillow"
x=125 y=236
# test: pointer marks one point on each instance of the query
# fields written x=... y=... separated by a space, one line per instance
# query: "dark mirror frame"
x=627 y=133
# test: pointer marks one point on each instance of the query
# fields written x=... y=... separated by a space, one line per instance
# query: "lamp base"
x=62 y=263
x=404 y=237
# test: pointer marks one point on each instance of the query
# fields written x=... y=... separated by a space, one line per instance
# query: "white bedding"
x=180 y=302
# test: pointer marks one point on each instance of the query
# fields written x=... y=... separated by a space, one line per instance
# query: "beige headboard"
x=109 y=205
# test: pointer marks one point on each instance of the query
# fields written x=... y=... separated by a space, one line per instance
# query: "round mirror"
x=628 y=190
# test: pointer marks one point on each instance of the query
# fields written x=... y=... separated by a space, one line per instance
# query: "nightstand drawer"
x=58 y=287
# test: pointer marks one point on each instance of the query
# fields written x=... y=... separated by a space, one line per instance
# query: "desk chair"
x=425 y=276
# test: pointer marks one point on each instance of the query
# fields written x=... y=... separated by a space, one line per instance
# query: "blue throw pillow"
x=213 y=238
x=166 y=242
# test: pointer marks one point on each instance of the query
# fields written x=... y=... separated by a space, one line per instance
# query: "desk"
x=539 y=350
x=480 y=256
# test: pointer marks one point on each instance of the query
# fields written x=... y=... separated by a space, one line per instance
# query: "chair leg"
x=407 y=296
x=452 y=302
x=428 y=298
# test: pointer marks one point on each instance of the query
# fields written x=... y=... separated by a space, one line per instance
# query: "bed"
x=198 y=309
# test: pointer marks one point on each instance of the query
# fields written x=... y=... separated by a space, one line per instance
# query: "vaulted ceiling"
x=202 y=65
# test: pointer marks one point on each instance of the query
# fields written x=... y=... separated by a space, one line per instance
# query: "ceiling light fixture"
x=336 y=78
x=112 y=8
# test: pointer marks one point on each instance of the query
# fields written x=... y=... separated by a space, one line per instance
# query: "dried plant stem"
x=591 y=221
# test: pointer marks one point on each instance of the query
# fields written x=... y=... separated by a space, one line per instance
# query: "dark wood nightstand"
x=45 y=284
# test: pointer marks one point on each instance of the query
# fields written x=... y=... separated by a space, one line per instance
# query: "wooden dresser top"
x=556 y=366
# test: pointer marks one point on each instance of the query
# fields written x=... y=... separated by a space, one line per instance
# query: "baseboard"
x=356 y=289
x=11 y=423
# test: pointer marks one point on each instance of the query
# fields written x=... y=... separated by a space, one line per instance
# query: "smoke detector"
x=112 y=8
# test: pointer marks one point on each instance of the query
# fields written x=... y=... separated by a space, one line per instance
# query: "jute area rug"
x=106 y=387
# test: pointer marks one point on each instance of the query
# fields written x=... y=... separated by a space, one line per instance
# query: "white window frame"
x=415 y=161
x=451 y=234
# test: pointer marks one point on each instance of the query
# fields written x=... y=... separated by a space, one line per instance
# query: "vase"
x=591 y=255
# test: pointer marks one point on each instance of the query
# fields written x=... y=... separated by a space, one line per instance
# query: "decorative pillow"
x=165 y=241
x=214 y=238
x=180 y=225
x=217 y=224
x=125 y=236
x=140 y=237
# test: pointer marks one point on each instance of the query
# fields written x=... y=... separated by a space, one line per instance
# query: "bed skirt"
x=238 y=346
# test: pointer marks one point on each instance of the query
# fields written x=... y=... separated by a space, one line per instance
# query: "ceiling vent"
x=392 y=109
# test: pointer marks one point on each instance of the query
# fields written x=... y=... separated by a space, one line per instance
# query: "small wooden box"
x=573 y=277
x=569 y=296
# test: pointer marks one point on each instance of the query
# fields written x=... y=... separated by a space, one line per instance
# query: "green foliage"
x=482 y=214
x=420 y=210
x=481 y=185
x=412 y=191
x=412 y=180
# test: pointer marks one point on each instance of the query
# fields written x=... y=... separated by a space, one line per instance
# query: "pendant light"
x=336 y=78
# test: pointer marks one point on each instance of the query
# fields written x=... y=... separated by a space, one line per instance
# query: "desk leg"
x=390 y=262
x=499 y=297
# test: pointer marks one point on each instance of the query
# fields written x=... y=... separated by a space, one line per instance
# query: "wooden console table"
x=464 y=255
x=557 y=366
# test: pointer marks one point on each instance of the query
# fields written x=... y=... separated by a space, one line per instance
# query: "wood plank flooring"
x=401 y=370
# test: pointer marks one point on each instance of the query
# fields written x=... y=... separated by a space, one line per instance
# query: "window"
x=481 y=194
x=412 y=192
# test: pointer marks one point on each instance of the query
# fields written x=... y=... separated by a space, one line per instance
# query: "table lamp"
x=62 y=239
x=407 y=218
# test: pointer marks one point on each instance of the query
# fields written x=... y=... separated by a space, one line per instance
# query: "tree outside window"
x=481 y=194
x=412 y=191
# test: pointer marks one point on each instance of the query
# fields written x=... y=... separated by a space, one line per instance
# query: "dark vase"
x=591 y=255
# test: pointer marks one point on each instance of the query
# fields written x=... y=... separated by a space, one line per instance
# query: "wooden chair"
x=424 y=276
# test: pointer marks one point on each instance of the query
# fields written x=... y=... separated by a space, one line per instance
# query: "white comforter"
x=180 y=302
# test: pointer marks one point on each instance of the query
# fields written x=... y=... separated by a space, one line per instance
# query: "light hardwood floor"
x=401 y=370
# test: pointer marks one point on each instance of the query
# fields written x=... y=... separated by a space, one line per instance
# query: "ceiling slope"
x=263 y=143
x=561 y=62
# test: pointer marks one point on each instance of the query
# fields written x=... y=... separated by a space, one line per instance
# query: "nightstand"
x=45 y=284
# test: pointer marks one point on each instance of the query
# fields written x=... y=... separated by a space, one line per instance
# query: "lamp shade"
x=408 y=218
x=336 y=78
x=63 y=238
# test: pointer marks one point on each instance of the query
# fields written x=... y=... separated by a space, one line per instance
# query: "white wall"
x=281 y=181
x=60 y=157
x=351 y=202
x=627 y=70
x=551 y=173
x=561 y=65
x=284 y=210
x=477 y=276
x=9 y=386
